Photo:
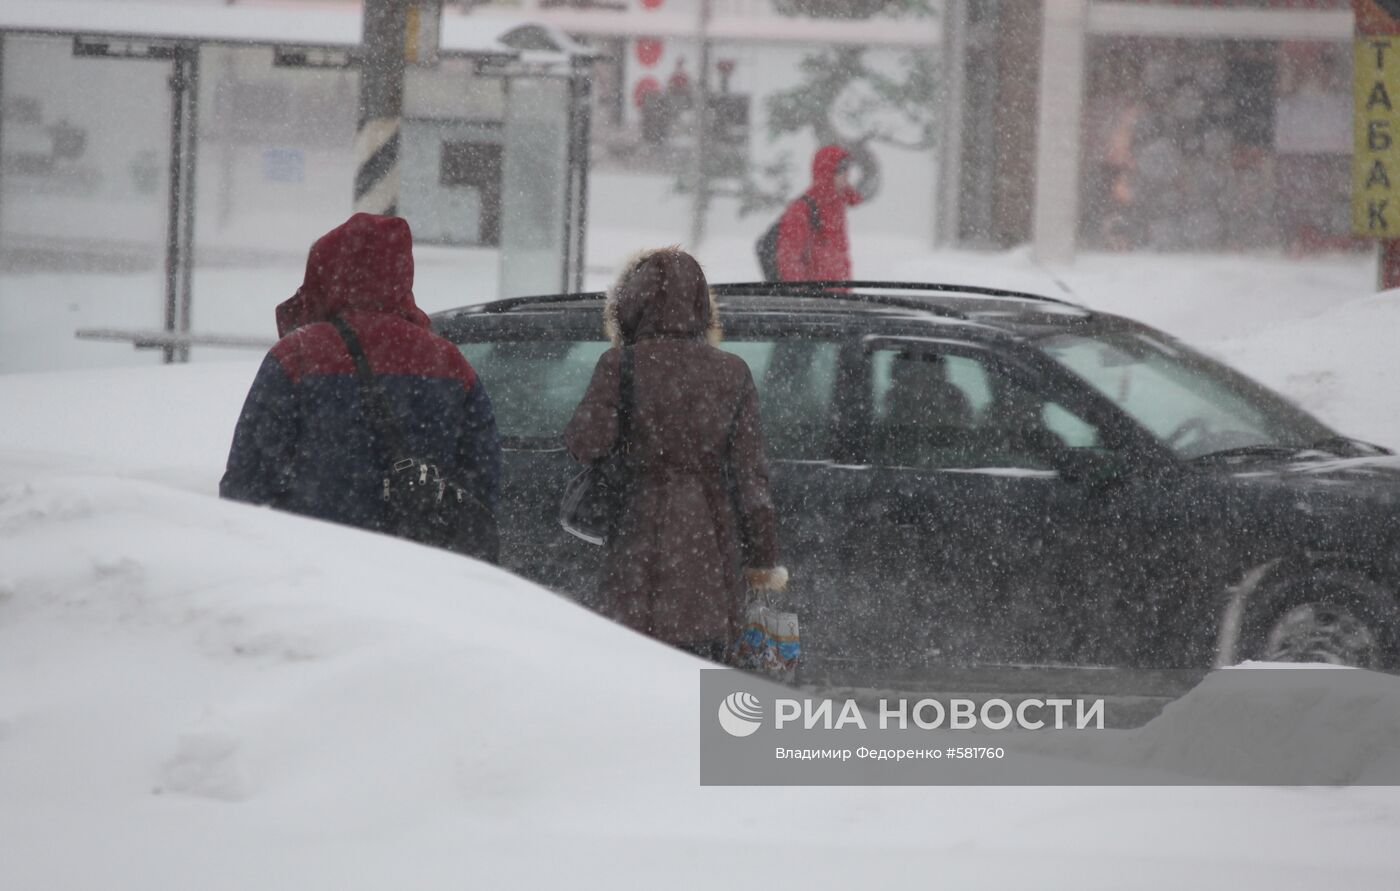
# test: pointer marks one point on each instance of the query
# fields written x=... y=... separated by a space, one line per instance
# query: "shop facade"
x=1176 y=125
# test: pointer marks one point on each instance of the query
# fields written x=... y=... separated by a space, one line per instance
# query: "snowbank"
x=195 y=693
x=1339 y=364
x=166 y=657
x=1337 y=727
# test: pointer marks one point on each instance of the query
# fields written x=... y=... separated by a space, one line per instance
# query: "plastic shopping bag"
x=769 y=640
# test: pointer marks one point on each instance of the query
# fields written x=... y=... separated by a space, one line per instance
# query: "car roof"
x=873 y=306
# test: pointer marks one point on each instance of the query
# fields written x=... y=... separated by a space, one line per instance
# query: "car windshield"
x=1193 y=405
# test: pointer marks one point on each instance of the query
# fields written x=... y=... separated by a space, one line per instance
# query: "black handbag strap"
x=814 y=226
x=376 y=403
x=626 y=399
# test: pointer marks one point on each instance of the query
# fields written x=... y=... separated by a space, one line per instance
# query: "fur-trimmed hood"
x=661 y=293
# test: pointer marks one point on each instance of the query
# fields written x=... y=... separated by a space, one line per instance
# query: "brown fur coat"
x=698 y=510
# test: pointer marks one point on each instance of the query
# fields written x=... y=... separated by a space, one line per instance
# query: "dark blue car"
x=968 y=476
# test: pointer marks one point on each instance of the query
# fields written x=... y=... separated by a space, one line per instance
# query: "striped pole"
x=381 y=106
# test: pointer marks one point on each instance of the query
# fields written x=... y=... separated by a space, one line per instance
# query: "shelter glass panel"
x=84 y=172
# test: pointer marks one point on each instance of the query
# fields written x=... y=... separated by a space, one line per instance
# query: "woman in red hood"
x=304 y=442
x=820 y=253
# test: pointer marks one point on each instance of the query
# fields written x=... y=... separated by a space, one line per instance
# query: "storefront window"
x=1209 y=145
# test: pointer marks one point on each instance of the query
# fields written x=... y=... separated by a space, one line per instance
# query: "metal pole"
x=1055 y=215
x=187 y=196
x=175 y=188
x=570 y=147
x=2 y=139
x=381 y=106
x=702 y=131
x=948 y=209
x=585 y=106
x=223 y=94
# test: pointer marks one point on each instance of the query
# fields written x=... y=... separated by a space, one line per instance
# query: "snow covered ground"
x=195 y=693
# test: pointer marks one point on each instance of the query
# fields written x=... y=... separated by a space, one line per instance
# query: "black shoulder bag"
x=419 y=503
x=592 y=502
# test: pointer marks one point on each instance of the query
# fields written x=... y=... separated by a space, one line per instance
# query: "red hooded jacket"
x=823 y=254
x=365 y=263
x=303 y=441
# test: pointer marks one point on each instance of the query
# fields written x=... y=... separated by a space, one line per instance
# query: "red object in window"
x=652 y=4
x=644 y=86
x=649 y=50
x=1375 y=17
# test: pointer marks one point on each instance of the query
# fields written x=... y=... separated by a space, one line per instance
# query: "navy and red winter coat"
x=304 y=442
x=823 y=254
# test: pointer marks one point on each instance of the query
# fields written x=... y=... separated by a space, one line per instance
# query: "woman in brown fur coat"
x=697 y=509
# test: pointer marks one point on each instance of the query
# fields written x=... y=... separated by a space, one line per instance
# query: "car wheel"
x=1329 y=616
x=1322 y=632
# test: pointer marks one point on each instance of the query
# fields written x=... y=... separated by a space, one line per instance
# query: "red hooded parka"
x=304 y=442
x=823 y=254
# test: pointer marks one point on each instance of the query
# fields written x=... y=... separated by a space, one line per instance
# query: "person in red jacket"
x=821 y=252
x=303 y=442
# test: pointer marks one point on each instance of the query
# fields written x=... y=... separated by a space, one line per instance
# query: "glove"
x=774 y=579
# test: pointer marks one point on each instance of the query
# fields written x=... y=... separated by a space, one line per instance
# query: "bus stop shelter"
x=145 y=136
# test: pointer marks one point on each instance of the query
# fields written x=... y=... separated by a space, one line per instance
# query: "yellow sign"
x=1375 y=166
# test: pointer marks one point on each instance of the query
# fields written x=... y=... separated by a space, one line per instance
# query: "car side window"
x=534 y=385
x=956 y=411
x=796 y=381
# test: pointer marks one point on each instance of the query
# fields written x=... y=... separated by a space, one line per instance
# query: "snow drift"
x=199 y=693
